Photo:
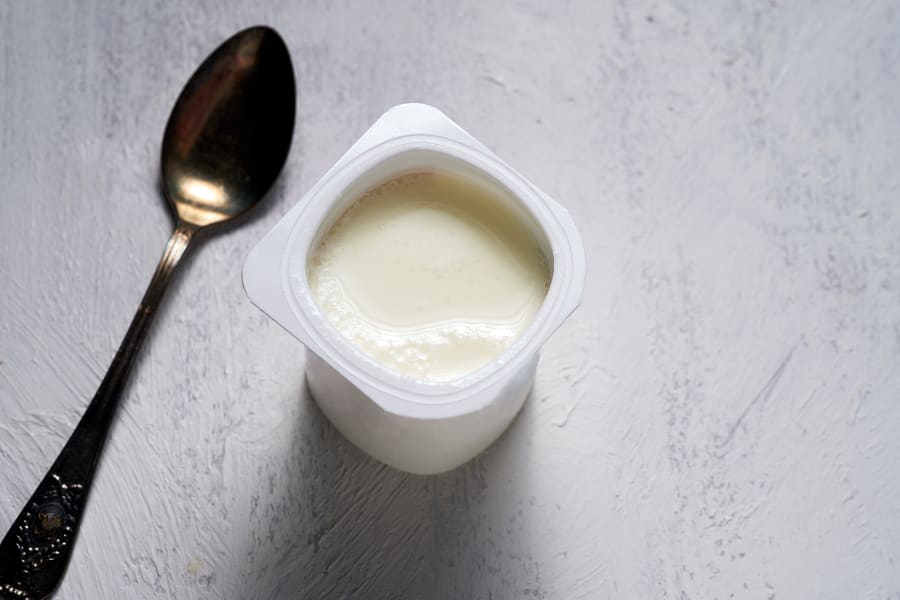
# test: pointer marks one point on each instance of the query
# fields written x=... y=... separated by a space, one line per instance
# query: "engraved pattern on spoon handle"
x=36 y=550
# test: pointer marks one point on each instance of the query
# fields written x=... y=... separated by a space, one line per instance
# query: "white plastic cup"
x=414 y=426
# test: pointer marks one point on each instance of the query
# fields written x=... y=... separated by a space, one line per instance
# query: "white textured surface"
x=719 y=420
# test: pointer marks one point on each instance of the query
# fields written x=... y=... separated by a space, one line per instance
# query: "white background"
x=721 y=418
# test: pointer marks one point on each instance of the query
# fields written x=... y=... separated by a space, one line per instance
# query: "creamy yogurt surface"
x=431 y=274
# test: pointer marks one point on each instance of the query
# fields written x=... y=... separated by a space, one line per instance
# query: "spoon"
x=225 y=143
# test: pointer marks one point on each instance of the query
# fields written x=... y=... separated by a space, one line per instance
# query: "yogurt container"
x=416 y=426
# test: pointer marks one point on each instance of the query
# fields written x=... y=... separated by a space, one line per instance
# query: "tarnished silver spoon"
x=225 y=143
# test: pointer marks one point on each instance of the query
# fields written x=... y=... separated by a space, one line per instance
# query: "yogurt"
x=431 y=274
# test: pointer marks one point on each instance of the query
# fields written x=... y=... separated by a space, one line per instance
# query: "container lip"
x=394 y=392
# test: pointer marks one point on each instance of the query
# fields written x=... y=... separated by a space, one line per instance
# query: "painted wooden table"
x=719 y=420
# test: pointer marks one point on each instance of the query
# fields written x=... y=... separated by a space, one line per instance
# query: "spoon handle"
x=36 y=549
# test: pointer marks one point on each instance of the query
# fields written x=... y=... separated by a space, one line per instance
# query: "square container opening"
x=426 y=160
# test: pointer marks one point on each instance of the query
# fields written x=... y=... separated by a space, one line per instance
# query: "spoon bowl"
x=230 y=129
x=224 y=145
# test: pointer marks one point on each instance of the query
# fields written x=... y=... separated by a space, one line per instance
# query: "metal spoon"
x=225 y=143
